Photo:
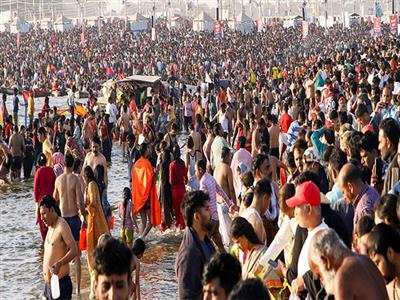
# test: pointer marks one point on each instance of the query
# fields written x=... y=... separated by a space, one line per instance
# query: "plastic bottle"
x=55 y=287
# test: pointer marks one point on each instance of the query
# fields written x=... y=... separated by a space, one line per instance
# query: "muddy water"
x=20 y=243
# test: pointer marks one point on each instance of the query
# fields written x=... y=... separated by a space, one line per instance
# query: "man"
x=59 y=140
x=217 y=145
x=259 y=136
x=322 y=138
x=273 y=130
x=259 y=206
x=344 y=274
x=15 y=107
x=220 y=275
x=196 y=140
x=369 y=152
x=124 y=127
x=68 y=194
x=223 y=174
x=384 y=249
x=389 y=136
x=295 y=128
x=17 y=148
x=59 y=248
x=242 y=156
x=359 y=194
x=144 y=193
x=209 y=185
x=46 y=146
x=95 y=157
x=4 y=111
x=336 y=161
x=311 y=162
x=365 y=121
x=71 y=101
x=133 y=154
x=112 y=111
x=196 y=248
x=112 y=270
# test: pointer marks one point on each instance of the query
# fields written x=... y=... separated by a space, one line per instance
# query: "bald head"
x=350 y=173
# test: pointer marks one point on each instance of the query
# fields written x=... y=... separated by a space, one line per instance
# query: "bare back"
x=67 y=192
x=274 y=136
x=224 y=177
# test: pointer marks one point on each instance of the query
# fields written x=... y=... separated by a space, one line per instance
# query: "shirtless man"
x=68 y=194
x=88 y=129
x=17 y=148
x=224 y=176
x=5 y=160
x=273 y=129
x=344 y=274
x=94 y=158
x=196 y=140
x=59 y=248
x=123 y=124
x=207 y=146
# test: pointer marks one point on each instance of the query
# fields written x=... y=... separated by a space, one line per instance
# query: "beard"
x=328 y=278
x=206 y=225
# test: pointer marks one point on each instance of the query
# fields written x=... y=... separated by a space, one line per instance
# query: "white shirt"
x=302 y=266
x=112 y=110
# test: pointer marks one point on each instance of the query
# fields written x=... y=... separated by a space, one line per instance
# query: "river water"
x=21 y=252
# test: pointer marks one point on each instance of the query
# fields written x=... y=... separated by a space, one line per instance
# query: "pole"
x=304 y=10
x=392 y=7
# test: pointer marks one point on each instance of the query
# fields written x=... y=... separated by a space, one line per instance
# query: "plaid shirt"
x=364 y=203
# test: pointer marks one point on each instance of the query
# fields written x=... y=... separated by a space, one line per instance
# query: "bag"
x=83 y=239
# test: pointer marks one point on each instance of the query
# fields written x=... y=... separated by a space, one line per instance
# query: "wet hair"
x=337 y=159
x=385 y=209
x=263 y=187
x=242 y=141
x=42 y=160
x=308 y=176
x=138 y=247
x=381 y=237
x=241 y=227
x=69 y=160
x=96 y=140
x=49 y=202
x=250 y=289
x=226 y=268
x=247 y=179
x=390 y=130
x=202 y=164
x=99 y=170
x=364 y=225
x=112 y=257
x=191 y=204
x=88 y=172
x=248 y=199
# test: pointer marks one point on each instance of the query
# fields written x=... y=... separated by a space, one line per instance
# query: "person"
x=217 y=145
x=133 y=154
x=250 y=289
x=311 y=162
x=362 y=196
x=223 y=173
x=71 y=101
x=4 y=111
x=344 y=274
x=17 y=148
x=218 y=210
x=258 y=207
x=69 y=197
x=144 y=193
x=99 y=174
x=336 y=161
x=15 y=107
x=46 y=145
x=242 y=156
x=163 y=185
x=389 y=136
x=196 y=248
x=28 y=160
x=295 y=128
x=59 y=248
x=190 y=162
x=177 y=179
x=383 y=247
x=364 y=227
x=112 y=270
x=124 y=126
x=385 y=210
x=95 y=157
x=96 y=221
x=220 y=275
x=138 y=249
x=44 y=182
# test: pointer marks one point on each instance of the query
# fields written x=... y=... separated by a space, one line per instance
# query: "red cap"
x=306 y=193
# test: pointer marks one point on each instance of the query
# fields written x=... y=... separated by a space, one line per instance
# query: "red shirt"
x=177 y=173
x=44 y=182
x=285 y=122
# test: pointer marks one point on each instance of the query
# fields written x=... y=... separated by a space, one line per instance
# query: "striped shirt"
x=210 y=186
x=293 y=133
x=364 y=203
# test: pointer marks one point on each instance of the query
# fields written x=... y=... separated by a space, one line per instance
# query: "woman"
x=28 y=159
x=99 y=173
x=177 y=179
x=244 y=236
x=96 y=221
x=43 y=185
x=190 y=162
x=58 y=163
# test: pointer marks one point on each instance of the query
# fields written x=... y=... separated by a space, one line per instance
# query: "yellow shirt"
x=31 y=106
x=46 y=150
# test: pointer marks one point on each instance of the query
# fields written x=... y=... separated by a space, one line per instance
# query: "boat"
x=37 y=92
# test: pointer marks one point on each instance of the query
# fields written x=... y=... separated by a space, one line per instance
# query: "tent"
x=242 y=23
x=63 y=24
x=138 y=23
x=46 y=23
x=19 y=26
x=203 y=22
x=175 y=23
x=354 y=19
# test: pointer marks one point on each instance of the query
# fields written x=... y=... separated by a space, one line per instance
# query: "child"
x=128 y=219
x=138 y=250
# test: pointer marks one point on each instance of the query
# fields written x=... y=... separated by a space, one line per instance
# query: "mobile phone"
x=273 y=263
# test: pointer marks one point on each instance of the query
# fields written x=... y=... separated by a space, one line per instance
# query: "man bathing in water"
x=68 y=194
x=59 y=249
x=95 y=157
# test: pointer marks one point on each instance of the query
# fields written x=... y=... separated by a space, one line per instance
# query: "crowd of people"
x=280 y=168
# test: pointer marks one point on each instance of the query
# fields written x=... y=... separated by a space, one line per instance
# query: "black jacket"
x=190 y=263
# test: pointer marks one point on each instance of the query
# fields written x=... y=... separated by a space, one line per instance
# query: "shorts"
x=127 y=235
x=16 y=163
x=65 y=289
x=75 y=225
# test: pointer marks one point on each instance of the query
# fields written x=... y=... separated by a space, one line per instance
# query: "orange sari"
x=144 y=188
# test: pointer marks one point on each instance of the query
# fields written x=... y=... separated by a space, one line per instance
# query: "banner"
x=260 y=24
x=217 y=28
x=393 y=26
x=304 y=29
x=377 y=26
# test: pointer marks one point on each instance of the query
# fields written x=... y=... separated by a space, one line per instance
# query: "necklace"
x=52 y=233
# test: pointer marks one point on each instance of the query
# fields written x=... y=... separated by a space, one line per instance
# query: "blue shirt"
x=15 y=102
x=334 y=195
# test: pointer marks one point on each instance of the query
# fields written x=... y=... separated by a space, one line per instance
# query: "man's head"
x=262 y=195
x=49 y=210
x=311 y=160
x=389 y=134
x=325 y=256
x=369 y=149
x=218 y=130
x=96 y=144
x=362 y=115
x=261 y=166
x=220 y=276
x=226 y=155
x=336 y=161
x=69 y=161
x=298 y=150
x=196 y=209
x=42 y=134
x=306 y=203
x=138 y=248
x=350 y=181
x=200 y=168
x=384 y=250
x=385 y=210
x=250 y=289
x=112 y=268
